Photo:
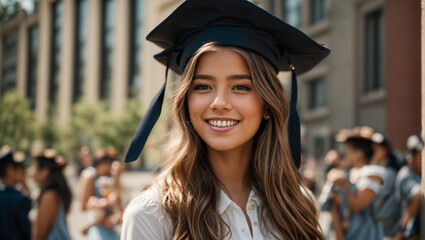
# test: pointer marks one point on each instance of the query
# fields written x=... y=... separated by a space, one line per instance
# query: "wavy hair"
x=190 y=188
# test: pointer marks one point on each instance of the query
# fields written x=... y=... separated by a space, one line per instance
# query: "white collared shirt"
x=144 y=218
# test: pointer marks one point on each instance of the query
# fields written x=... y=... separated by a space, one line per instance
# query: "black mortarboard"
x=238 y=23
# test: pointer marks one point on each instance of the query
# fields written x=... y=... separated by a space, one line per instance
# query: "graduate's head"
x=47 y=166
x=357 y=144
x=358 y=150
x=235 y=23
x=102 y=162
x=12 y=167
x=48 y=172
x=227 y=96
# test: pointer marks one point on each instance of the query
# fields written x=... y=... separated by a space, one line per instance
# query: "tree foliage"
x=95 y=126
x=17 y=126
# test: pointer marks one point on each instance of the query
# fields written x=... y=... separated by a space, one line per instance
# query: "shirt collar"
x=224 y=201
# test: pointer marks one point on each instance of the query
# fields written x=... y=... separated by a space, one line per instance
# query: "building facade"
x=96 y=50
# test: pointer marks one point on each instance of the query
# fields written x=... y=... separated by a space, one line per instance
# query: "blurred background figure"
x=54 y=201
x=383 y=153
x=385 y=208
x=14 y=204
x=352 y=204
x=84 y=158
x=100 y=195
x=408 y=191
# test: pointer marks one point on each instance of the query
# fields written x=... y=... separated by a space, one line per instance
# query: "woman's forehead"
x=222 y=61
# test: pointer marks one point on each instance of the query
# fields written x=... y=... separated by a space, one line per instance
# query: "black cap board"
x=238 y=23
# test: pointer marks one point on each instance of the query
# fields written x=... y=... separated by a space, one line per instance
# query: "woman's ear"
x=266 y=113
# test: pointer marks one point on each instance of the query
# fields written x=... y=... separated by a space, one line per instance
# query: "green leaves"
x=17 y=124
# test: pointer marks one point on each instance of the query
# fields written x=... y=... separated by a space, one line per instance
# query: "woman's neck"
x=232 y=169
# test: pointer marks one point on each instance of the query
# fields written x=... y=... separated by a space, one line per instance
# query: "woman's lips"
x=222 y=125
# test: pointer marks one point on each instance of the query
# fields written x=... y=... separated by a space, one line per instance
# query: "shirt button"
x=243 y=229
x=255 y=223
x=252 y=207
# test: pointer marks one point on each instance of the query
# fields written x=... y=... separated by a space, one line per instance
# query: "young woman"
x=230 y=172
x=55 y=198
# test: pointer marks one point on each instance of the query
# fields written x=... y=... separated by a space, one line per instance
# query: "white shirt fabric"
x=144 y=218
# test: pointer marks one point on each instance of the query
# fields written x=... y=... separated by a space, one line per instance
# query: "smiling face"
x=225 y=108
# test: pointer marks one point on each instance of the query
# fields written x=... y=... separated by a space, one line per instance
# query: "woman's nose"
x=221 y=101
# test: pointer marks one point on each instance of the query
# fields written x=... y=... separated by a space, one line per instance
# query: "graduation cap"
x=237 y=23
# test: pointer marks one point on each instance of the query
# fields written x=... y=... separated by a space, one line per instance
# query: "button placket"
x=252 y=211
x=242 y=224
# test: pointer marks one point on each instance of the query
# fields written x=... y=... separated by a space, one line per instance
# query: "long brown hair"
x=190 y=187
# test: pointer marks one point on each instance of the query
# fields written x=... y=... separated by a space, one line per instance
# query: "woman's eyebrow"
x=232 y=77
x=240 y=76
x=202 y=76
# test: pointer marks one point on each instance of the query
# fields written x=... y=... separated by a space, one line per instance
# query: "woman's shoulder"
x=373 y=170
x=144 y=217
x=50 y=196
x=146 y=202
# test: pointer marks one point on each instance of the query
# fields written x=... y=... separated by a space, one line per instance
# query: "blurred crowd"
x=41 y=214
x=370 y=191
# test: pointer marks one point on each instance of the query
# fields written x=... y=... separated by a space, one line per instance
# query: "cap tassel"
x=149 y=120
x=294 y=121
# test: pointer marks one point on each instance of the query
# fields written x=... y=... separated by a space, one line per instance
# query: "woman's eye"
x=202 y=87
x=241 y=88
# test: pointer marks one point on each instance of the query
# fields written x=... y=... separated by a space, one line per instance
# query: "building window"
x=317 y=10
x=373 y=52
x=9 y=60
x=317 y=93
x=57 y=12
x=80 y=49
x=108 y=20
x=32 y=65
x=319 y=147
x=292 y=12
x=136 y=33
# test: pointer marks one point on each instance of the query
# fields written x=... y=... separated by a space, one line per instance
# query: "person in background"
x=14 y=204
x=385 y=207
x=360 y=191
x=100 y=196
x=55 y=198
x=383 y=153
x=408 y=191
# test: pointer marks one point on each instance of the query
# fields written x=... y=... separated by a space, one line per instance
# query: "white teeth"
x=222 y=123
